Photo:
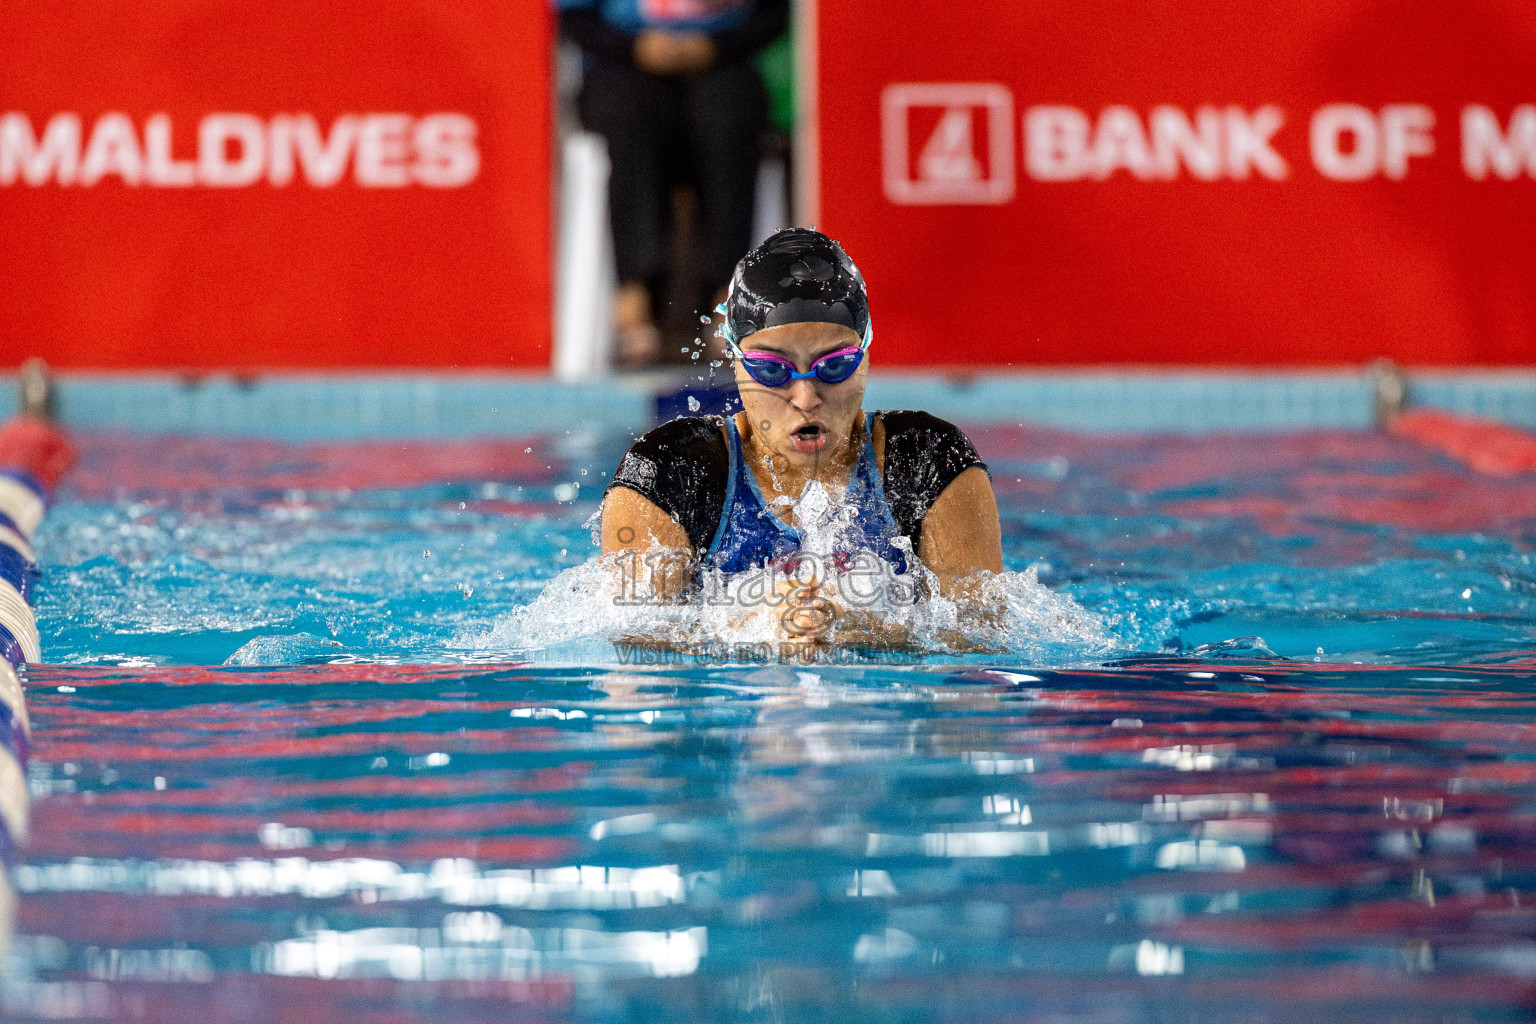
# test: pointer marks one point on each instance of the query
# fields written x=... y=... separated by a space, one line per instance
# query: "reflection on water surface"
x=1159 y=841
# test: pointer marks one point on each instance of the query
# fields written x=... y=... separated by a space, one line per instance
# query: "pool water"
x=311 y=747
x=196 y=551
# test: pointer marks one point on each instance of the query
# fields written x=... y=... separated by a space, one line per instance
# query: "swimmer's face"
x=805 y=421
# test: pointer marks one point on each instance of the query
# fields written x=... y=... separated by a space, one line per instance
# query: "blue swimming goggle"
x=774 y=371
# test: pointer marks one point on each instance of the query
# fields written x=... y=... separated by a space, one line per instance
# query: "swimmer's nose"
x=803 y=396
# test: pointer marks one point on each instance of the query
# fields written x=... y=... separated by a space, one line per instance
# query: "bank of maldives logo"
x=948 y=144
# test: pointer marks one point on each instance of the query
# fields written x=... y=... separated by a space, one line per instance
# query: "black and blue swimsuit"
x=693 y=469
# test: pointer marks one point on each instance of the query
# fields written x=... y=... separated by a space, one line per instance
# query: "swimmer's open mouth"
x=809 y=437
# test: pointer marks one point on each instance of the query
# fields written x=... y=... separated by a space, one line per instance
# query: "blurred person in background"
x=672 y=86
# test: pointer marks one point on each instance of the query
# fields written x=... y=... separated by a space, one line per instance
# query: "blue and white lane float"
x=22 y=504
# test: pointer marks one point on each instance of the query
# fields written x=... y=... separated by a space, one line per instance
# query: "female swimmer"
x=720 y=492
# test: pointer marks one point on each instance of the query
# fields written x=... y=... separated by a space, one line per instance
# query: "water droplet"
x=693 y=404
x=527 y=451
x=426 y=553
x=703 y=319
x=462 y=506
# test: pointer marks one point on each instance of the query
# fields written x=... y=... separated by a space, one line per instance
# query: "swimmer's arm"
x=652 y=549
x=961 y=533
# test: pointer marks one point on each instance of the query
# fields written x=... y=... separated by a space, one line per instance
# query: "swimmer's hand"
x=809 y=612
x=979 y=608
x=793 y=612
x=866 y=632
x=660 y=52
x=815 y=615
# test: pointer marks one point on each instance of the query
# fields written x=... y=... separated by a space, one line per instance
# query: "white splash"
x=827 y=599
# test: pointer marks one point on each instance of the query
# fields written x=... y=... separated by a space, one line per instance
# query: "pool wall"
x=339 y=406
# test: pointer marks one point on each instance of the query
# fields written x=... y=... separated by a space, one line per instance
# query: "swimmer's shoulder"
x=677 y=453
x=682 y=467
x=684 y=434
x=913 y=419
x=923 y=454
x=917 y=434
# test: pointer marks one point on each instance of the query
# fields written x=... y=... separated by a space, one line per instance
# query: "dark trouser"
x=702 y=129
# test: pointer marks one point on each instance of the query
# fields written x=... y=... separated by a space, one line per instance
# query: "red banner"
x=212 y=183
x=1202 y=181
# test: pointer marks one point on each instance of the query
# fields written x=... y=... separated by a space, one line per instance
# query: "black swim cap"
x=796 y=276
